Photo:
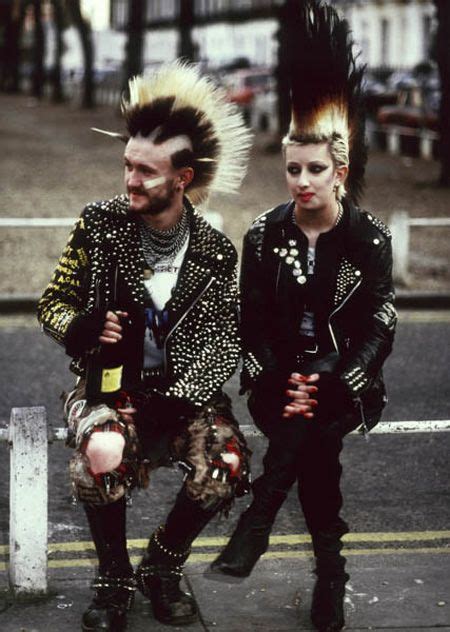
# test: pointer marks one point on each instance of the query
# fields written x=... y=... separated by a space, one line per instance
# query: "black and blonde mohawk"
x=177 y=101
x=326 y=96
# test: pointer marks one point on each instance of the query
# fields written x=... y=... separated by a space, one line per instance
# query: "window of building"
x=119 y=13
x=385 y=33
x=427 y=28
x=160 y=9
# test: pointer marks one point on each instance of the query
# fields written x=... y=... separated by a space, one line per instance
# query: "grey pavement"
x=397 y=500
x=394 y=592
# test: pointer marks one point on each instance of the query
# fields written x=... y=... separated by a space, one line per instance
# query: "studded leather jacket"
x=352 y=294
x=201 y=348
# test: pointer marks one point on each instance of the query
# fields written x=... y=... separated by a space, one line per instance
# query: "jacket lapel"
x=348 y=279
x=195 y=274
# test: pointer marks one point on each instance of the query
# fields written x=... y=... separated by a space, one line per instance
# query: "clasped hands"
x=301 y=392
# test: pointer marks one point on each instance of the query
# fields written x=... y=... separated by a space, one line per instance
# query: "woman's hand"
x=302 y=387
x=112 y=329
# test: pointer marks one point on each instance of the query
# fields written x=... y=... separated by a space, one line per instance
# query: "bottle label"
x=111 y=379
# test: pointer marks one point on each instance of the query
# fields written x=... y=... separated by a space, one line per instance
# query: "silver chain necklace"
x=163 y=245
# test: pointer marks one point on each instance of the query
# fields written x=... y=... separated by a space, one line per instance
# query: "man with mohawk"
x=318 y=317
x=144 y=271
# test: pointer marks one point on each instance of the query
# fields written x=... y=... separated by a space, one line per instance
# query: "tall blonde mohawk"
x=177 y=101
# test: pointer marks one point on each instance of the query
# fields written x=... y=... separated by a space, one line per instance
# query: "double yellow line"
x=403 y=542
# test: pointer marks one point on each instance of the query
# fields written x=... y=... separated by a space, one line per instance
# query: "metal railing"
x=28 y=436
x=394 y=134
x=213 y=217
x=400 y=224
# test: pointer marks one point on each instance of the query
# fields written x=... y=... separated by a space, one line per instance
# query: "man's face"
x=147 y=165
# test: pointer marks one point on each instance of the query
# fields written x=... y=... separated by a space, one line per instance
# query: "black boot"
x=158 y=578
x=113 y=597
x=243 y=549
x=327 y=608
x=251 y=536
x=115 y=584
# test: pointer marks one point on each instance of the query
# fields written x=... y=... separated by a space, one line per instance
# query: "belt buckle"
x=150 y=373
x=312 y=351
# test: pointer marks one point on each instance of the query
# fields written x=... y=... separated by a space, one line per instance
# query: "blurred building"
x=223 y=30
x=391 y=34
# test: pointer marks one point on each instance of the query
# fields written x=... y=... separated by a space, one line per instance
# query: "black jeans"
x=305 y=451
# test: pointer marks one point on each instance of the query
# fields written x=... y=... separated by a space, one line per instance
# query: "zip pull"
x=364 y=430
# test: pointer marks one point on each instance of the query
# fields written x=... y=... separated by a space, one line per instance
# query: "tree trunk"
x=443 y=60
x=38 y=75
x=88 y=98
x=133 y=64
x=10 y=73
x=58 y=19
x=186 y=46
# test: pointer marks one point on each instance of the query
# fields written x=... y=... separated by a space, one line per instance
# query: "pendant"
x=148 y=273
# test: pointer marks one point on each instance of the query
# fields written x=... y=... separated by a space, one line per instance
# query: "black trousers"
x=303 y=451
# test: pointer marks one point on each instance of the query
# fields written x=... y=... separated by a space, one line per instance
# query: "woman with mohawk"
x=318 y=317
x=147 y=271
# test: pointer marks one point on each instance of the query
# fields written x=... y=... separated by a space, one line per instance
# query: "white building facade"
x=390 y=33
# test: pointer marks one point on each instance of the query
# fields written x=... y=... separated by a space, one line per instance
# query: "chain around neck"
x=339 y=215
x=163 y=245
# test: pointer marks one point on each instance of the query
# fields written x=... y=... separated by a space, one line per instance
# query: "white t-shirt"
x=160 y=287
x=307 y=326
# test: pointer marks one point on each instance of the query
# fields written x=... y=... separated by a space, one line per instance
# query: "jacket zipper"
x=179 y=321
x=283 y=232
x=357 y=400
x=363 y=428
x=336 y=311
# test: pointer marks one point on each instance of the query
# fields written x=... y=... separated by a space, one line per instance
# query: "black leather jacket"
x=353 y=296
x=201 y=348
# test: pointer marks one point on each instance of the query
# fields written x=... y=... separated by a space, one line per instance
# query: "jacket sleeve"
x=219 y=357
x=379 y=321
x=258 y=357
x=64 y=299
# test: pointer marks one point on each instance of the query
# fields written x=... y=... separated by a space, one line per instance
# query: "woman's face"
x=311 y=175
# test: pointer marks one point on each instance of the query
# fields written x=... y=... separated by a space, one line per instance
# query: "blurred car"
x=243 y=85
x=415 y=108
x=376 y=94
x=246 y=85
x=402 y=80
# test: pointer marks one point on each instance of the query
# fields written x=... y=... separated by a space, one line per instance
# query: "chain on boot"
x=158 y=578
x=327 y=608
x=114 y=596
